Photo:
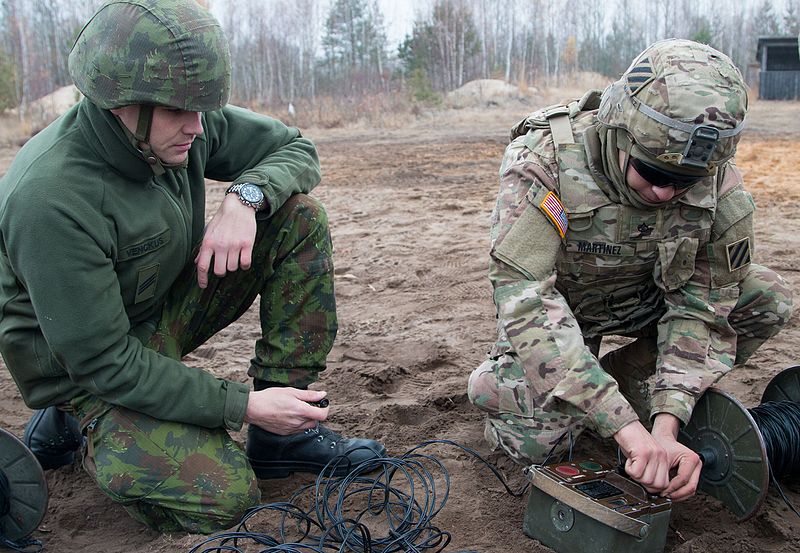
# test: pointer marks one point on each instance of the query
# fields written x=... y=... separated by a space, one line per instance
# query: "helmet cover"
x=681 y=103
x=155 y=52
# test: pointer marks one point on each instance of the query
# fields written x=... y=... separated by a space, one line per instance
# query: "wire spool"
x=730 y=444
x=785 y=386
x=742 y=449
x=23 y=490
x=778 y=418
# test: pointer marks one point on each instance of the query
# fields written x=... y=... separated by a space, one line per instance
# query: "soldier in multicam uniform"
x=109 y=276
x=624 y=214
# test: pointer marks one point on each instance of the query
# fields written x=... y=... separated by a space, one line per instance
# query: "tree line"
x=291 y=50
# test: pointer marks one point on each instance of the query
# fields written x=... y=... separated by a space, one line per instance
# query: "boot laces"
x=323 y=433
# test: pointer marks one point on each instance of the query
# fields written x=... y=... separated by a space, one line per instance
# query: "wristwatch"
x=249 y=194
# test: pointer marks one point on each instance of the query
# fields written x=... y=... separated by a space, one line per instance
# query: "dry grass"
x=386 y=110
x=15 y=131
x=390 y=110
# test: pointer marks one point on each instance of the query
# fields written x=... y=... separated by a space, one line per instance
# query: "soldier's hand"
x=285 y=410
x=228 y=240
x=647 y=461
x=684 y=463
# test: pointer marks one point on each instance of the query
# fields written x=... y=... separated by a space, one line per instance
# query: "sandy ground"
x=409 y=209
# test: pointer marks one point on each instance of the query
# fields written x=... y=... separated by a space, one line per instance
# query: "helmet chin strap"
x=142 y=135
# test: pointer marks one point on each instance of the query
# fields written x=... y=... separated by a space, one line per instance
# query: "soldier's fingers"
x=203 y=261
x=308 y=425
x=233 y=260
x=246 y=257
x=650 y=471
x=653 y=479
x=309 y=395
x=635 y=469
x=684 y=484
x=220 y=263
x=676 y=485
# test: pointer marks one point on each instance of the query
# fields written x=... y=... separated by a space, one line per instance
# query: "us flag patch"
x=738 y=254
x=554 y=210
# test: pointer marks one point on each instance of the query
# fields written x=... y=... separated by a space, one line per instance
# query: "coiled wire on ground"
x=398 y=496
x=779 y=423
x=401 y=496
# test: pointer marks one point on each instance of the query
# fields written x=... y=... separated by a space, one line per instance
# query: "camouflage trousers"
x=180 y=477
x=763 y=308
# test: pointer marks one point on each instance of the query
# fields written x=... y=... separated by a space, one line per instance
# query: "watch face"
x=251 y=193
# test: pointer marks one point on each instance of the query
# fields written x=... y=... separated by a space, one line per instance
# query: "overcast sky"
x=399 y=18
x=399 y=15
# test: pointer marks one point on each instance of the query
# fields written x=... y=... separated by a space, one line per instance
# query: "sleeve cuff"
x=674 y=402
x=236 y=396
x=612 y=415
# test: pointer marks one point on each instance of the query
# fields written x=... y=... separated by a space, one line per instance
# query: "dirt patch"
x=409 y=211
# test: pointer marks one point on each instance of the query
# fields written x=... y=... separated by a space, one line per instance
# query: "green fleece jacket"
x=83 y=218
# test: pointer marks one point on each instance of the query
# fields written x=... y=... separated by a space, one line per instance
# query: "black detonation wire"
x=24 y=545
x=399 y=495
x=779 y=423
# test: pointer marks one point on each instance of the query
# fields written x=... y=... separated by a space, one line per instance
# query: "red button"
x=567 y=470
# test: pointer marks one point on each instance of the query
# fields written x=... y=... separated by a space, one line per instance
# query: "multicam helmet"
x=682 y=104
x=152 y=52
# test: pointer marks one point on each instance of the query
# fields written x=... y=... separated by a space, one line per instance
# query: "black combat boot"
x=275 y=456
x=53 y=436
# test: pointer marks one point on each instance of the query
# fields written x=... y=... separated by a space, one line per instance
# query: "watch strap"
x=236 y=189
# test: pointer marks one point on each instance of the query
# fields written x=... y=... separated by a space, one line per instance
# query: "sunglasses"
x=662 y=179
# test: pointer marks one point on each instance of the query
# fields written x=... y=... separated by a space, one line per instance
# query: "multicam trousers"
x=179 y=477
x=763 y=307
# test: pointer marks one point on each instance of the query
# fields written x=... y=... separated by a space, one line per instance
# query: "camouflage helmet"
x=152 y=52
x=682 y=104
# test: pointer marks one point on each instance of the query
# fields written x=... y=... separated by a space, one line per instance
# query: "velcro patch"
x=738 y=253
x=554 y=209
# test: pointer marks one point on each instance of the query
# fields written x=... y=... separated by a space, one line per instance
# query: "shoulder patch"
x=738 y=254
x=554 y=209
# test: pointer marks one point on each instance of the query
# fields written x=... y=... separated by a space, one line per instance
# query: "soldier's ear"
x=129 y=115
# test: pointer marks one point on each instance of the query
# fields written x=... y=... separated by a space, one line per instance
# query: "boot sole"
x=270 y=470
x=53 y=462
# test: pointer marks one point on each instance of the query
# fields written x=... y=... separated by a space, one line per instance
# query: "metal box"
x=585 y=507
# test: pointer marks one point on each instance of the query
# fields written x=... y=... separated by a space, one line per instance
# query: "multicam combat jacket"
x=600 y=267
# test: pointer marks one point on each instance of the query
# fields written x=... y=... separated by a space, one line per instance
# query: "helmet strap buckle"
x=142 y=135
x=700 y=147
x=144 y=123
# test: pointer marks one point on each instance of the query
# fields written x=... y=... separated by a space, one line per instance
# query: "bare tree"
x=285 y=50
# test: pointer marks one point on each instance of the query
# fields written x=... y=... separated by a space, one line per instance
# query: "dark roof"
x=767 y=41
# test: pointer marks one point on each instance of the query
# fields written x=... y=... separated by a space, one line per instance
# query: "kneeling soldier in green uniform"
x=623 y=213
x=109 y=275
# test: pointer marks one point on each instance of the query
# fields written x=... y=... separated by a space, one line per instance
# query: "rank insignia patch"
x=738 y=254
x=554 y=210
x=146 y=285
